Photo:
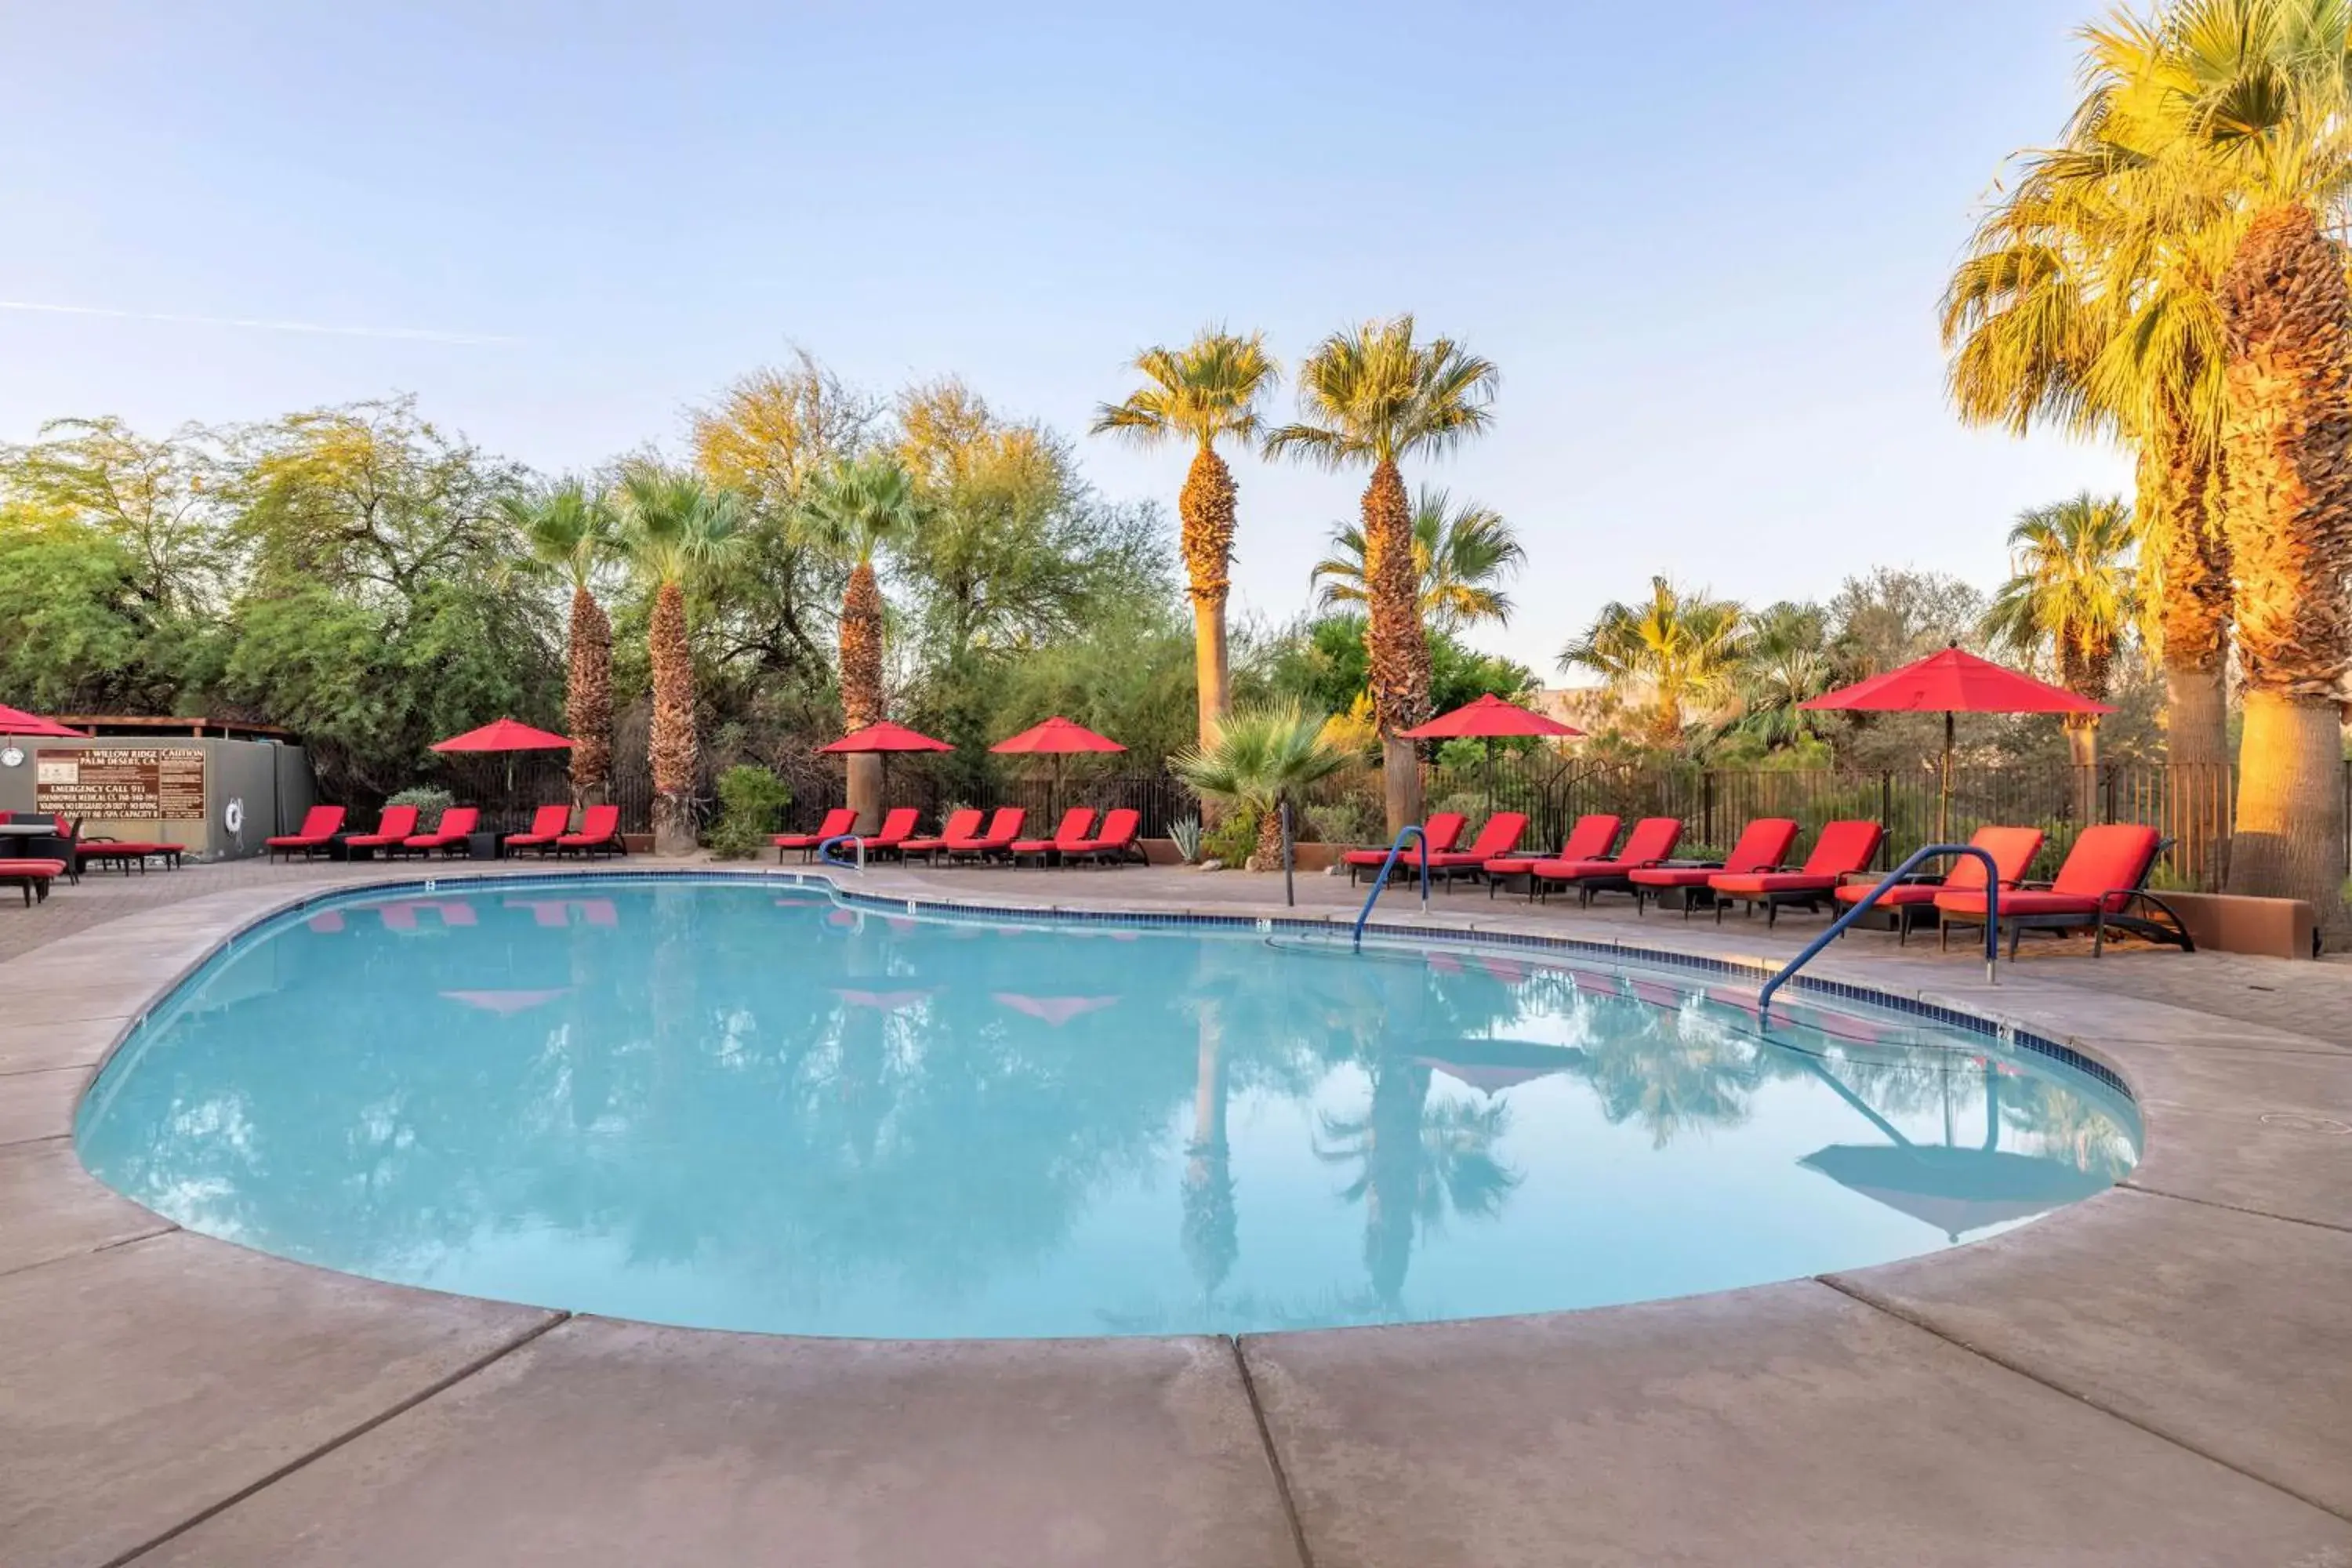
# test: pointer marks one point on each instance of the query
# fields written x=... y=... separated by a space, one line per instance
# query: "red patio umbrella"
x=1954 y=682
x=505 y=735
x=1490 y=719
x=16 y=721
x=1056 y=737
x=884 y=737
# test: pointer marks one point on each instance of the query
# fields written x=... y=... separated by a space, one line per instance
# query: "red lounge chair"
x=1763 y=844
x=1003 y=829
x=320 y=826
x=1651 y=841
x=1843 y=849
x=960 y=825
x=2012 y=850
x=1589 y=840
x=1076 y=824
x=840 y=819
x=448 y=835
x=600 y=833
x=394 y=825
x=1114 y=844
x=898 y=826
x=1442 y=832
x=33 y=876
x=2106 y=874
x=548 y=824
x=1497 y=836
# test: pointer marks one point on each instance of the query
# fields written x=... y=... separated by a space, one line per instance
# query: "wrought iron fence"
x=2192 y=806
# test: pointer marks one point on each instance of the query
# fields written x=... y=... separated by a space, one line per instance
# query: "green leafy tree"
x=1785 y=662
x=1374 y=397
x=159 y=502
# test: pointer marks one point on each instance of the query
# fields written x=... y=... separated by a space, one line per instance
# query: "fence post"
x=1706 y=809
x=2109 y=813
x=1885 y=811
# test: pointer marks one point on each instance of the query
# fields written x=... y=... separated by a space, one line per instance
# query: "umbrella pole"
x=1944 y=805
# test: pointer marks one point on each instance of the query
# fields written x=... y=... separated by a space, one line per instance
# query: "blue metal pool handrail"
x=1409 y=830
x=1894 y=878
x=824 y=847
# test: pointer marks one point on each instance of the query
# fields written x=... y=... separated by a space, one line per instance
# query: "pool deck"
x=2162 y=1375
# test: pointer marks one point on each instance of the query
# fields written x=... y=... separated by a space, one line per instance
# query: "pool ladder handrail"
x=826 y=847
x=1895 y=878
x=1409 y=830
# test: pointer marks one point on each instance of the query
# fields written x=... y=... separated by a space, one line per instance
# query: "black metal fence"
x=2192 y=806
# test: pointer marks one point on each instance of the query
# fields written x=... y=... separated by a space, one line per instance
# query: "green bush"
x=752 y=802
x=1349 y=820
x=430 y=803
x=1233 y=840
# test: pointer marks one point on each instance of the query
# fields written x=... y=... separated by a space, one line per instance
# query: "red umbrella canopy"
x=1490 y=718
x=504 y=735
x=887 y=737
x=1956 y=681
x=16 y=721
x=1056 y=735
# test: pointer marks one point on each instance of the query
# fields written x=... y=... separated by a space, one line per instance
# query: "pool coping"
x=1942 y=1294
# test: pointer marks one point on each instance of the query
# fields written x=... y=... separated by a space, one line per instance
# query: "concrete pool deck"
x=2160 y=1374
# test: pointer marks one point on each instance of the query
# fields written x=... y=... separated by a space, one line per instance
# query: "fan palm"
x=1784 y=663
x=2254 y=98
x=571 y=529
x=673 y=528
x=1259 y=759
x=1460 y=553
x=1204 y=392
x=2072 y=594
x=1373 y=396
x=850 y=510
x=1674 y=651
x=2088 y=301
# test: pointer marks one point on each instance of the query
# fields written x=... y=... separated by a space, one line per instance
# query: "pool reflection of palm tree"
x=1672 y=1069
x=1415 y=1164
x=1211 y=1236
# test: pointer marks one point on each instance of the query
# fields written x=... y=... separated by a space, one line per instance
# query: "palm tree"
x=1676 y=650
x=2072 y=592
x=2089 y=302
x=570 y=529
x=2253 y=99
x=1374 y=396
x=1784 y=663
x=1461 y=554
x=850 y=510
x=1202 y=393
x=674 y=527
x=1259 y=759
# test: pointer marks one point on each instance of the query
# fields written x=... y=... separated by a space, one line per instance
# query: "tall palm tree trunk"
x=1206 y=508
x=1397 y=643
x=861 y=686
x=673 y=743
x=2287 y=488
x=588 y=699
x=2180 y=493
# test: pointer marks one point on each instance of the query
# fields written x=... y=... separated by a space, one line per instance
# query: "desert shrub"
x=752 y=802
x=429 y=800
x=1233 y=839
x=1349 y=820
x=1186 y=832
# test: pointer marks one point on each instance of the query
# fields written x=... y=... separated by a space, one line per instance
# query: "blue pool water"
x=739 y=1105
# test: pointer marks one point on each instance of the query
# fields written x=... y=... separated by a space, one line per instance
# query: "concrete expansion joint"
x=2131 y=1184
x=554 y=1320
x=1853 y=1291
x=1273 y=1456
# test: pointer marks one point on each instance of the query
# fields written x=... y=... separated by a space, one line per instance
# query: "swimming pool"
x=744 y=1104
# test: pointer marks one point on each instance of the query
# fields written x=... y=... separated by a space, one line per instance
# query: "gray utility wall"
x=252 y=790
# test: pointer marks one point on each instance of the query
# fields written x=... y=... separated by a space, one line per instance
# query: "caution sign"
x=162 y=783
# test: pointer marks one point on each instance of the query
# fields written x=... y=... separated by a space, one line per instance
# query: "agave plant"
x=1261 y=758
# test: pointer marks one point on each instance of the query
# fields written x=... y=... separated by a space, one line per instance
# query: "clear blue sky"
x=1705 y=259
